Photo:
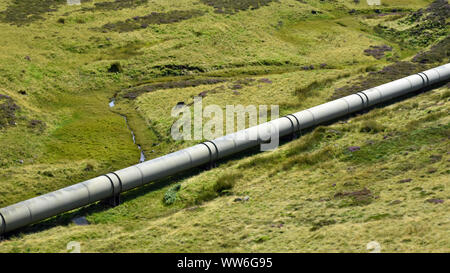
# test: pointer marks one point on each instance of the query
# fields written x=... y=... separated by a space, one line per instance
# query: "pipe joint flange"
x=116 y=188
x=212 y=149
x=364 y=98
x=296 y=129
x=425 y=77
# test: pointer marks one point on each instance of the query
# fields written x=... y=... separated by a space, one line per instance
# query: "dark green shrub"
x=171 y=195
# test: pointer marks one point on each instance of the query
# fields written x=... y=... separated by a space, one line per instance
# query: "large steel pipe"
x=110 y=185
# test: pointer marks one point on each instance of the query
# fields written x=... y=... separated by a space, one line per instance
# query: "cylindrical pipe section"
x=109 y=185
x=100 y=188
x=131 y=177
x=15 y=216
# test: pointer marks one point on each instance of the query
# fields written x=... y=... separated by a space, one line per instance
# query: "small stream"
x=112 y=103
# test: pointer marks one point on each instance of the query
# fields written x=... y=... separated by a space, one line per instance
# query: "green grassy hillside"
x=61 y=65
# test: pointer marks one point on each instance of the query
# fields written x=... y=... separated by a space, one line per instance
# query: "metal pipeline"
x=112 y=184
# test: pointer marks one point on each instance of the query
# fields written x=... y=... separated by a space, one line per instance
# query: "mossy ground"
x=312 y=194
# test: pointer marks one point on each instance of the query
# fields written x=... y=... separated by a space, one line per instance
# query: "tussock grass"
x=371 y=126
x=311 y=140
x=309 y=159
x=222 y=186
x=226 y=183
x=55 y=65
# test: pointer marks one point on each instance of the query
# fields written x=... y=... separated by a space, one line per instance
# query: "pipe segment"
x=112 y=184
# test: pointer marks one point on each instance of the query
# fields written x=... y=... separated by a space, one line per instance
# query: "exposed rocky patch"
x=231 y=7
x=154 y=18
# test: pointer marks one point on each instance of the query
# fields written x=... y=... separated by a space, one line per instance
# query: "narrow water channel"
x=112 y=103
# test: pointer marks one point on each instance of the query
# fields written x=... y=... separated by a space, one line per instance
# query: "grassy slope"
x=292 y=203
